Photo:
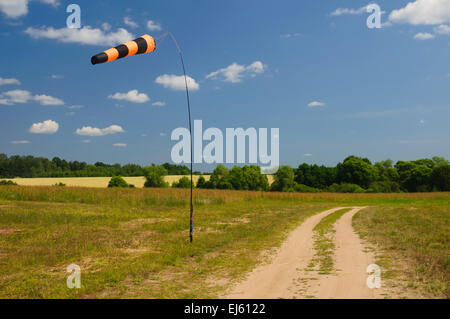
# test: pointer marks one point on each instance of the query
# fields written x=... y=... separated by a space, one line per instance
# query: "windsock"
x=144 y=44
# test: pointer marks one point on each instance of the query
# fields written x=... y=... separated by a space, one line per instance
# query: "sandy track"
x=286 y=276
x=351 y=261
x=277 y=279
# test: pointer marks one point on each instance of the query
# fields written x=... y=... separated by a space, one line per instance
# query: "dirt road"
x=286 y=275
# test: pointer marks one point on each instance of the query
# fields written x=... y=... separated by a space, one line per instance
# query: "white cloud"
x=9 y=81
x=120 y=145
x=74 y=107
x=424 y=36
x=159 y=103
x=308 y=155
x=235 y=72
x=85 y=141
x=442 y=29
x=153 y=26
x=316 y=103
x=422 y=122
x=290 y=35
x=48 y=100
x=20 y=142
x=94 y=131
x=176 y=82
x=106 y=26
x=46 y=127
x=426 y=12
x=347 y=11
x=85 y=35
x=14 y=97
x=162 y=134
x=56 y=76
x=129 y=22
x=17 y=8
x=14 y=8
x=23 y=96
x=70 y=113
x=132 y=96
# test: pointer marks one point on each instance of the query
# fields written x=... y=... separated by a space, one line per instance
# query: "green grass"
x=412 y=242
x=133 y=243
x=324 y=242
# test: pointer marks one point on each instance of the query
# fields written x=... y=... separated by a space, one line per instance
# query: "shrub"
x=384 y=187
x=201 y=182
x=283 y=180
x=7 y=183
x=183 y=182
x=60 y=184
x=155 y=176
x=301 y=188
x=117 y=181
x=345 y=188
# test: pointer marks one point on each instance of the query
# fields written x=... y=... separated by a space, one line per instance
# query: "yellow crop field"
x=98 y=182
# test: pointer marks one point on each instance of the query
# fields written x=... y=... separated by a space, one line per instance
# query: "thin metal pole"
x=191 y=226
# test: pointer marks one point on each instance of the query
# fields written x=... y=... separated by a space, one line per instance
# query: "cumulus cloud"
x=153 y=26
x=48 y=100
x=427 y=12
x=120 y=145
x=15 y=97
x=9 y=81
x=442 y=29
x=22 y=96
x=20 y=142
x=17 y=8
x=176 y=82
x=347 y=11
x=316 y=103
x=94 y=131
x=424 y=36
x=159 y=103
x=14 y=8
x=132 y=96
x=46 y=127
x=85 y=35
x=129 y=22
x=234 y=73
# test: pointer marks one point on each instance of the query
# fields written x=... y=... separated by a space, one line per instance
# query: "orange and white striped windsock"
x=144 y=44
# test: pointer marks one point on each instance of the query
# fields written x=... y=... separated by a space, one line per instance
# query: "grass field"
x=133 y=243
x=99 y=182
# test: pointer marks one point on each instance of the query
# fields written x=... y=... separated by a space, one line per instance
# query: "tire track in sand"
x=277 y=279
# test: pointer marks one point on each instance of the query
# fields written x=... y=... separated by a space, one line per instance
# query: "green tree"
x=118 y=181
x=183 y=182
x=283 y=179
x=201 y=182
x=154 y=176
x=440 y=178
x=356 y=170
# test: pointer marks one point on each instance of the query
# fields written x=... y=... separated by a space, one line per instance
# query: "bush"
x=155 y=176
x=301 y=188
x=345 y=188
x=60 y=184
x=201 y=182
x=384 y=187
x=183 y=182
x=283 y=180
x=6 y=183
x=117 y=181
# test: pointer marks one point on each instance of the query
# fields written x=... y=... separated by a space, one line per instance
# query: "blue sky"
x=379 y=93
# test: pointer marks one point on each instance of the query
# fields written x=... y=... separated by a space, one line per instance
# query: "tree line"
x=353 y=175
x=30 y=166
